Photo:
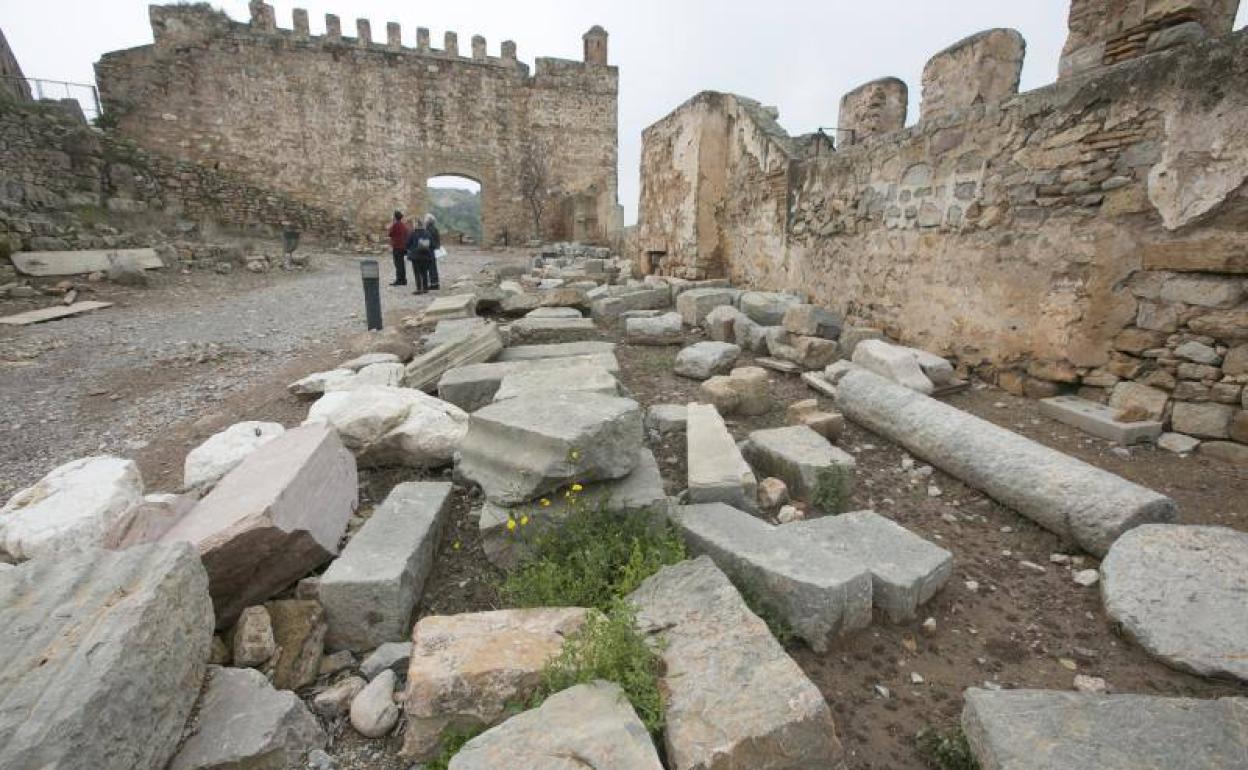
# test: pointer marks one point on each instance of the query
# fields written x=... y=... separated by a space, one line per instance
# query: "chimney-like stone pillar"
x=300 y=19
x=478 y=48
x=595 y=45
x=363 y=32
x=394 y=35
x=333 y=28
x=450 y=44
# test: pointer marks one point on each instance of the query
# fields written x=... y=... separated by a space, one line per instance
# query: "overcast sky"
x=800 y=56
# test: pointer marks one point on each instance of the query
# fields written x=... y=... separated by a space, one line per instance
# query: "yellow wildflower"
x=575 y=453
x=545 y=503
x=524 y=521
x=577 y=487
x=511 y=525
x=455 y=545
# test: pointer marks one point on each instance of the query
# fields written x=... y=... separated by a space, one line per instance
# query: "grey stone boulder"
x=369 y=591
x=666 y=329
x=373 y=710
x=386 y=426
x=472 y=387
x=586 y=726
x=766 y=307
x=611 y=308
x=242 y=722
x=334 y=701
x=273 y=519
x=694 y=304
x=522 y=447
x=102 y=654
x=391 y=655
x=717 y=473
x=720 y=323
x=221 y=452
x=808 y=463
x=1046 y=730
x=667 y=418
x=734 y=698
x=810 y=353
x=851 y=336
x=812 y=321
x=1209 y=421
x=1181 y=592
x=703 y=360
x=253 y=638
x=894 y=363
x=531 y=330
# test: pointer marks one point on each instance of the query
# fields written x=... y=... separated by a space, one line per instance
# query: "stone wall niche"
x=980 y=69
x=871 y=109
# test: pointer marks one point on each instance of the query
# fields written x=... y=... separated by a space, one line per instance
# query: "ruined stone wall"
x=358 y=127
x=1106 y=32
x=1031 y=235
x=12 y=81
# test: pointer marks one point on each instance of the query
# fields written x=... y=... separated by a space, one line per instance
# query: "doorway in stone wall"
x=456 y=203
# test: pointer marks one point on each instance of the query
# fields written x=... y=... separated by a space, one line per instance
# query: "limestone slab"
x=766 y=307
x=52 y=313
x=472 y=387
x=452 y=308
x=666 y=329
x=222 y=452
x=667 y=418
x=717 y=471
x=705 y=359
x=894 y=363
x=556 y=350
x=453 y=329
x=317 y=383
x=812 y=321
x=734 y=698
x=1077 y=501
x=47 y=263
x=694 y=304
x=277 y=516
x=299 y=631
x=102 y=654
x=808 y=463
x=1182 y=593
x=575 y=379
x=1098 y=420
x=386 y=426
x=369 y=591
x=476 y=346
x=546 y=329
x=1047 y=730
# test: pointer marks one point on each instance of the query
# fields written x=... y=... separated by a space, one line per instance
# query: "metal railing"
x=87 y=96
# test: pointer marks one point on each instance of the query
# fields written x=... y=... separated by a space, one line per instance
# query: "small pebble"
x=972 y=585
x=883 y=691
x=1093 y=685
x=916 y=677
x=1086 y=577
x=1031 y=566
x=929 y=626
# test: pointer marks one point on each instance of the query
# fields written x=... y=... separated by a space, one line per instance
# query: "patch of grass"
x=753 y=598
x=592 y=558
x=831 y=490
x=946 y=749
x=452 y=742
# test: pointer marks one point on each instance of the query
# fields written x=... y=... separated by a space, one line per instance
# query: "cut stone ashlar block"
x=273 y=519
x=640 y=492
x=821 y=575
x=717 y=471
x=1047 y=730
x=370 y=590
x=545 y=329
x=894 y=363
x=555 y=350
x=1079 y=502
x=813 y=469
x=472 y=387
x=694 y=304
x=702 y=360
x=665 y=329
x=573 y=379
x=476 y=346
x=734 y=698
x=452 y=308
x=523 y=447
x=1098 y=420
x=766 y=307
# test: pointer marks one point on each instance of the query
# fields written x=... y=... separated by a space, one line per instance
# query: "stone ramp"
x=1049 y=730
x=717 y=471
x=823 y=575
x=1075 y=500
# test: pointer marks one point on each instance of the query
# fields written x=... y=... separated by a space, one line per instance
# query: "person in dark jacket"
x=420 y=252
x=431 y=227
x=398 y=247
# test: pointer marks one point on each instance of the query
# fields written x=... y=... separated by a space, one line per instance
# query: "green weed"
x=946 y=749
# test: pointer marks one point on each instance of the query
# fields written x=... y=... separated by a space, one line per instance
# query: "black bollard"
x=371 y=275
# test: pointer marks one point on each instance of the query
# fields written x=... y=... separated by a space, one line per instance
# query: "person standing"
x=431 y=227
x=398 y=248
x=420 y=252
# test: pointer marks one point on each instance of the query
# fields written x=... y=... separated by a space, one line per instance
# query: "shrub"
x=946 y=749
x=452 y=742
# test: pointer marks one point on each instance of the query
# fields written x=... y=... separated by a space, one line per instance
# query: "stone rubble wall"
x=1106 y=32
x=12 y=81
x=357 y=127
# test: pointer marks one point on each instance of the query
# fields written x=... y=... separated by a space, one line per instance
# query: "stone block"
x=1202 y=420
x=452 y=308
x=744 y=391
x=1136 y=341
x=813 y=469
x=86 y=503
x=243 y=722
x=533 y=330
x=720 y=323
x=368 y=359
x=1045 y=730
x=299 y=633
x=472 y=387
x=155 y=516
x=811 y=353
x=390 y=656
x=1133 y=399
x=220 y=453
x=749 y=335
x=667 y=418
x=666 y=329
x=1077 y=501
x=1177 y=443
x=812 y=321
x=1099 y=420
x=694 y=304
x=766 y=308
x=476 y=346
x=981 y=69
x=369 y=591
x=1198 y=352
x=702 y=360
x=1179 y=592
x=386 y=426
x=585 y=378
x=733 y=697
x=1226 y=325
x=273 y=519
x=877 y=107
x=55 y=263
x=555 y=350
x=554 y=312
x=851 y=336
x=453 y=330
x=1236 y=361
x=102 y=654
x=523 y=447
x=1203 y=290
x=318 y=383
x=467 y=670
x=611 y=308
x=253 y=642
x=894 y=363
x=592 y=722
x=717 y=471
x=1226 y=451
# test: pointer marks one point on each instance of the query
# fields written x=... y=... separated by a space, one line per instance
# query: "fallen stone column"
x=1077 y=501
x=475 y=347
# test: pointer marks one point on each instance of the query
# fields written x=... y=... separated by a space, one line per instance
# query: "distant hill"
x=457 y=209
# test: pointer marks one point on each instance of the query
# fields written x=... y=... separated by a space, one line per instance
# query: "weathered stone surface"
x=1203 y=420
x=370 y=590
x=744 y=391
x=318 y=383
x=1229 y=325
x=1139 y=401
x=667 y=418
x=155 y=516
x=589 y=725
x=640 y=492
x=274 y=518
x=806 y=352
x=1202 y=290
x=452 y=307
x=694 y=304
x=388 y=375
x=852 y=336
x=701 y=360
x=1236 y=362
x=368 y=359
x=391 y=655
x=813 y=469
x=453 y=330
x=734 y=698
x=220 y=453
x=85 y=503
x=388 y=340
x=1077 y=501
x=611 y=308
x=335 y=701
x=818 y=574
x=393 y=426
x=533 y=330
x=49 y=263
x=373 y=710
x=477 y=346
x=299 y=631
x=1046 y=730
x=751 y=336
x=472 y=387
x=720 y=323
x=555 y=350
x=1099 y=420
x=980 y=69
x=666 y=329
x=894 y=363
x=525 y=446
x=253 y=638
x=812 y=321
x=1198 y=352
x=554 y=312
x=243 y=722
x=877 y=107
x=101 y=656
x=467 y=669
x=1179 y=591
x=717 y=471
x=1177 y=443
x=1226 y=451
x=766 y=307
x=585 y=378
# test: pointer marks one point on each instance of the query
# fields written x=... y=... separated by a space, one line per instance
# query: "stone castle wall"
x=1076 y=235
x=357 y=127
x=12 y=81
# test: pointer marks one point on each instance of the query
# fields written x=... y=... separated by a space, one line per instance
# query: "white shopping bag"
x=439 y=253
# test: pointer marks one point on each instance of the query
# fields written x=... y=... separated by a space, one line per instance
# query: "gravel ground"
x=112 y=380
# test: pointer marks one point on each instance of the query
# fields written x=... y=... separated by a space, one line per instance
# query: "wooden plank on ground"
x=48 y=263
x=51 y=313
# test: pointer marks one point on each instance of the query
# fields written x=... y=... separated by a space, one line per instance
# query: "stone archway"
x=458 y=202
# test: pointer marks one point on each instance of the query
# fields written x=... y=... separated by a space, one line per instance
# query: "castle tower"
x=595 y=45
